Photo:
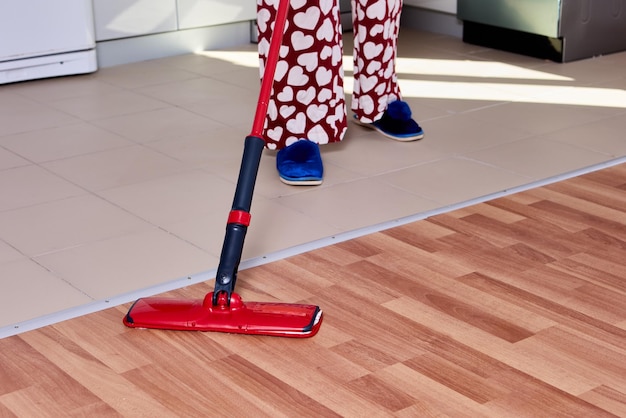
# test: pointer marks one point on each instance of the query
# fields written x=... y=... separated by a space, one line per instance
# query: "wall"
x=137 y=30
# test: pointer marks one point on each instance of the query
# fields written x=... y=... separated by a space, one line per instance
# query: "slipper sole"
x=400 y=138
x=301 y=182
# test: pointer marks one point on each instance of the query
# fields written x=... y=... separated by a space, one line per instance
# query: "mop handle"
x=239 y=217
x=270 y=69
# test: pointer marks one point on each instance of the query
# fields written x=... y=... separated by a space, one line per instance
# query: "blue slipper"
x=300 y=164
x=396 y=123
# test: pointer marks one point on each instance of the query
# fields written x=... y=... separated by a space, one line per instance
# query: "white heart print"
x=263 y=16
x=372 y=50
x=264 y=46
x=362 y=34
x=393 y=4
x=332 y=121
x=316 y=113
x=324 y=95
x=286 y=95
x=323 y=76
x=367 y=83
x=360 y=14
x=272 y=112
x=366 y=103
x=326 y=52
x=325 y=32
x=380 y=89
x=338 y=90
x=372 y=67
x=389 y=70
x=340 y=112
x=307 y=20
x=376 y=10
x=297 y=124
x=318 y=135
x=337 y=55
x=291 y=139
x=281 y=70
x=388 y=54
x=306 y=96
x=286 y=111
x=297 y=77
x=300 y=41
x=275 y=133
x=326 y=6
x=297 y=4
x=376 y=29
x=308 y=60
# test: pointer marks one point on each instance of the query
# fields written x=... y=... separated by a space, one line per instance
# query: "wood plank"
x=510 y=308
x=608 y=399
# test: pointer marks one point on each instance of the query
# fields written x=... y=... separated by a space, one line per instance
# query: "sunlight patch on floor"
x=508 y=92
x=470 y=90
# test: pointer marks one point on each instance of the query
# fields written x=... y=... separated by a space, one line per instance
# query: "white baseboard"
x=143 y=48
x=55 y=65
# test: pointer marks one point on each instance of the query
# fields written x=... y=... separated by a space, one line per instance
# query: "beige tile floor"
x=117 y=184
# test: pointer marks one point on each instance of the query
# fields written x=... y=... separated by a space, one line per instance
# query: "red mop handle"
x=270 y=69
x=239 y=217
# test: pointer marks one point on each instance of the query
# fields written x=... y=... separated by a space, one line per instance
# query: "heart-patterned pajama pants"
x=308 y=99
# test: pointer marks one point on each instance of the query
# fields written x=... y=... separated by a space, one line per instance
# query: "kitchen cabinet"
x=115 y=19
x=197 y=13
x=41 y=38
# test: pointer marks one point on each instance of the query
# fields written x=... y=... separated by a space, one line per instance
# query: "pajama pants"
x=308 y=99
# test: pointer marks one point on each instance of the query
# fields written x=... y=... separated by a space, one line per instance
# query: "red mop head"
x=257 y=318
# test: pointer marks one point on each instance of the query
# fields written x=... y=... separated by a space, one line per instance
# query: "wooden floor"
x=514 y=307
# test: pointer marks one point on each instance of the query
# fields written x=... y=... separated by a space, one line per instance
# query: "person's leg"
x=375 y=25
x=377 y=100
x=308 y=98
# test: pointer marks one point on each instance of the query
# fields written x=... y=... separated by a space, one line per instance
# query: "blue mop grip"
x=237 y=225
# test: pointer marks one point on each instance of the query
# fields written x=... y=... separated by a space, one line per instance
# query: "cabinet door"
x=196 y=13
x=125 y=18
x=34 y=28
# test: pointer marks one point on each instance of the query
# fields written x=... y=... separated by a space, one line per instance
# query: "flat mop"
x=223 y=310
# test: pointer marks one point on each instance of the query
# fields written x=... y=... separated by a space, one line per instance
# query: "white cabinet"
x=126 y=18
x=43 y=38
x=197 y=13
